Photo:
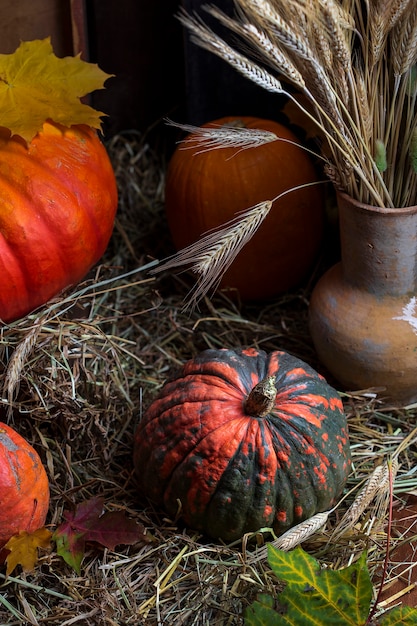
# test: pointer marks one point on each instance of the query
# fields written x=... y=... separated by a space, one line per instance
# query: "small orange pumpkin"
x=205 y=189
x=58 y=200
x=24 y=486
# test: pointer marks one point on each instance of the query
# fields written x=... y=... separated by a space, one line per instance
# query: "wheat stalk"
x=405 y=41
x=213 y=254
x=16 y=364
x=375 y=484
x=292 y=537
x=344 y=56
x=297 y=49
x=211 y=42
x=345 y=140
x=203 y=138
x=376 y=487
x=264 y=45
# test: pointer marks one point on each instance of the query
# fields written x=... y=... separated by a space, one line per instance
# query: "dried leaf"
x=35 y=86
x=114 y=528
x=88 y=523
x=23 y=549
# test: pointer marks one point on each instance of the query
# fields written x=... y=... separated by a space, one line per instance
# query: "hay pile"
x=76 y=377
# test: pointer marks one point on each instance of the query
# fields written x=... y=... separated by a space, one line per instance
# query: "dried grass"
x=76 y=377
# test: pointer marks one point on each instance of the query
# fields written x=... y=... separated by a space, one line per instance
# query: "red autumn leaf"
x=88 y=522
x=84 y=515
x=70 y=545
x=114 y=528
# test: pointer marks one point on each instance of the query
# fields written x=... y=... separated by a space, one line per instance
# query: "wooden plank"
x=79 y=29
x=25 y=20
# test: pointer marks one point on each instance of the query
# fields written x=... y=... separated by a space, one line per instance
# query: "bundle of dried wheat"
x=354 y=62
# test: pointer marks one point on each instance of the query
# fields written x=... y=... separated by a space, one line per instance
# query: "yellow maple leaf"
x=36 y=85
x=23 y=549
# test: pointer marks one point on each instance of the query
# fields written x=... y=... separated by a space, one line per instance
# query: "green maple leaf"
x=35 y=86
x=70 y=546
x=400 y=616
x=314 y=596
x=261 y=612
x=344 y=595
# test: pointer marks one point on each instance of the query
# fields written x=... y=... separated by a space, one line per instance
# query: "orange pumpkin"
x=24 y=487
x=58 y=200
x=205 y=189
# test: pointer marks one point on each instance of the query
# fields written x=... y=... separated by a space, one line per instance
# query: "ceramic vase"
x=363 y=311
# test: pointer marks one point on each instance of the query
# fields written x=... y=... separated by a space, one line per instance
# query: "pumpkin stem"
x=261 y=399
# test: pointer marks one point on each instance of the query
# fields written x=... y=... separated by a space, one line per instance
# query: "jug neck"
x=378 y=247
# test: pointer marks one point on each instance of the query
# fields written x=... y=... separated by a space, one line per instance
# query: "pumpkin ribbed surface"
x=24 y=486
x=58 y=200
x=233 y=472
x=205 y=188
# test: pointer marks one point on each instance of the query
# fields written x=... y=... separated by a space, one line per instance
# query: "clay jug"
x=363 y=311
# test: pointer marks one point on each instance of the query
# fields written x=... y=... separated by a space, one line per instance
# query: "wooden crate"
x=140 y=41
x=25 y=20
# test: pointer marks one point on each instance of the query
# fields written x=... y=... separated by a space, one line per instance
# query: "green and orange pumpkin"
x=241 y=440
x=24 y=486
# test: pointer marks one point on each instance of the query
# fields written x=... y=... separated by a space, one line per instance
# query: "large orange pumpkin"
x=205 y=189
x=58 y=200
x=24 y=487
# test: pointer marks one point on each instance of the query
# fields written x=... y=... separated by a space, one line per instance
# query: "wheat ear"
x=266 y=48
x=375 y=487
x=203 y=138
x=404 y=42
x=212 y=255
x=292 y=537
x=18 y=360
x=208 y=40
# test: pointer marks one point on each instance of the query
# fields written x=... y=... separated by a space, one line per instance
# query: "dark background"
x=158 y=72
